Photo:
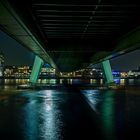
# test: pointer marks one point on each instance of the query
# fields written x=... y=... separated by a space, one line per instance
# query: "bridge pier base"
x=38 y=62
x=107 y=72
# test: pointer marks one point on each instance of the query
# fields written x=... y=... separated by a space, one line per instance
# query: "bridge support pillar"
x=38 y=62
x=107 y=72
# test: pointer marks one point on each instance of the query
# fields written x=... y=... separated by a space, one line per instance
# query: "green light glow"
x=107 y=72
x=108 y=115
x=130 y=40
x=36 y=69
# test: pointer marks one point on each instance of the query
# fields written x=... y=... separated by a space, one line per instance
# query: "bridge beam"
x=107 y=72
x=38 y=62
x=15 y=26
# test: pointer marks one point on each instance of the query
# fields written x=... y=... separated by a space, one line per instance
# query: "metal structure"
x=71 y=35
x=13 y=25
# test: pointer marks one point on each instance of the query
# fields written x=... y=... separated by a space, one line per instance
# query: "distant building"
x=91 y=73
x=9 y=71
x=1 y=64
x=25 y=72
x=115 y=73
x=134 y=73
x=123 y=74
x=47 y=72
x=17 y=71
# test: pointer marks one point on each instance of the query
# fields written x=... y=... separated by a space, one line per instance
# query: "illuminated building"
x=134 y=73
x=123 y=74
x=25 y=71
x=91 y=73
x=9 y=71
x=17 y=71
x=47 y=71
x=115 y=73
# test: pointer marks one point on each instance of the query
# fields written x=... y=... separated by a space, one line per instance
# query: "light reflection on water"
x=108 y=115
x=93 y=98
x=94 y=82
x=122 y=81
x=131 y=81
x=45 y=115
x=41 y=117
x=103 y=105
x=118 y=112
x=47 y=81
x=60 y=114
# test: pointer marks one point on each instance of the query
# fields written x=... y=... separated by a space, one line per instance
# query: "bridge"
x=70 y=35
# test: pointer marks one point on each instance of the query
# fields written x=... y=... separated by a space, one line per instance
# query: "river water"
x=94 y=82
x=68 y=114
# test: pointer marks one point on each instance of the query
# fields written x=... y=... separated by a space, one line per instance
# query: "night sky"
x=15 y=54
x=127 y=61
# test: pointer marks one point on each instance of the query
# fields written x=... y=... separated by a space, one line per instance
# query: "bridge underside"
x=77 y=33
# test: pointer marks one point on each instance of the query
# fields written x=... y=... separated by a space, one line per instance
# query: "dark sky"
x=15 y=54
x=127 y=61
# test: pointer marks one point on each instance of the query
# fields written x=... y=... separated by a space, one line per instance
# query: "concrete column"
x=107 y=72
x=38 y=62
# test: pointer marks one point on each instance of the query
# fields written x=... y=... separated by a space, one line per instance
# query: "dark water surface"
x=69 y=114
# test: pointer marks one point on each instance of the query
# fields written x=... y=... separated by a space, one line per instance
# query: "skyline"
x=11 y=48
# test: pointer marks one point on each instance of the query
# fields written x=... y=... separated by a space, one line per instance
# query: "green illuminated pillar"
x=38 y=62
x=107 y=72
